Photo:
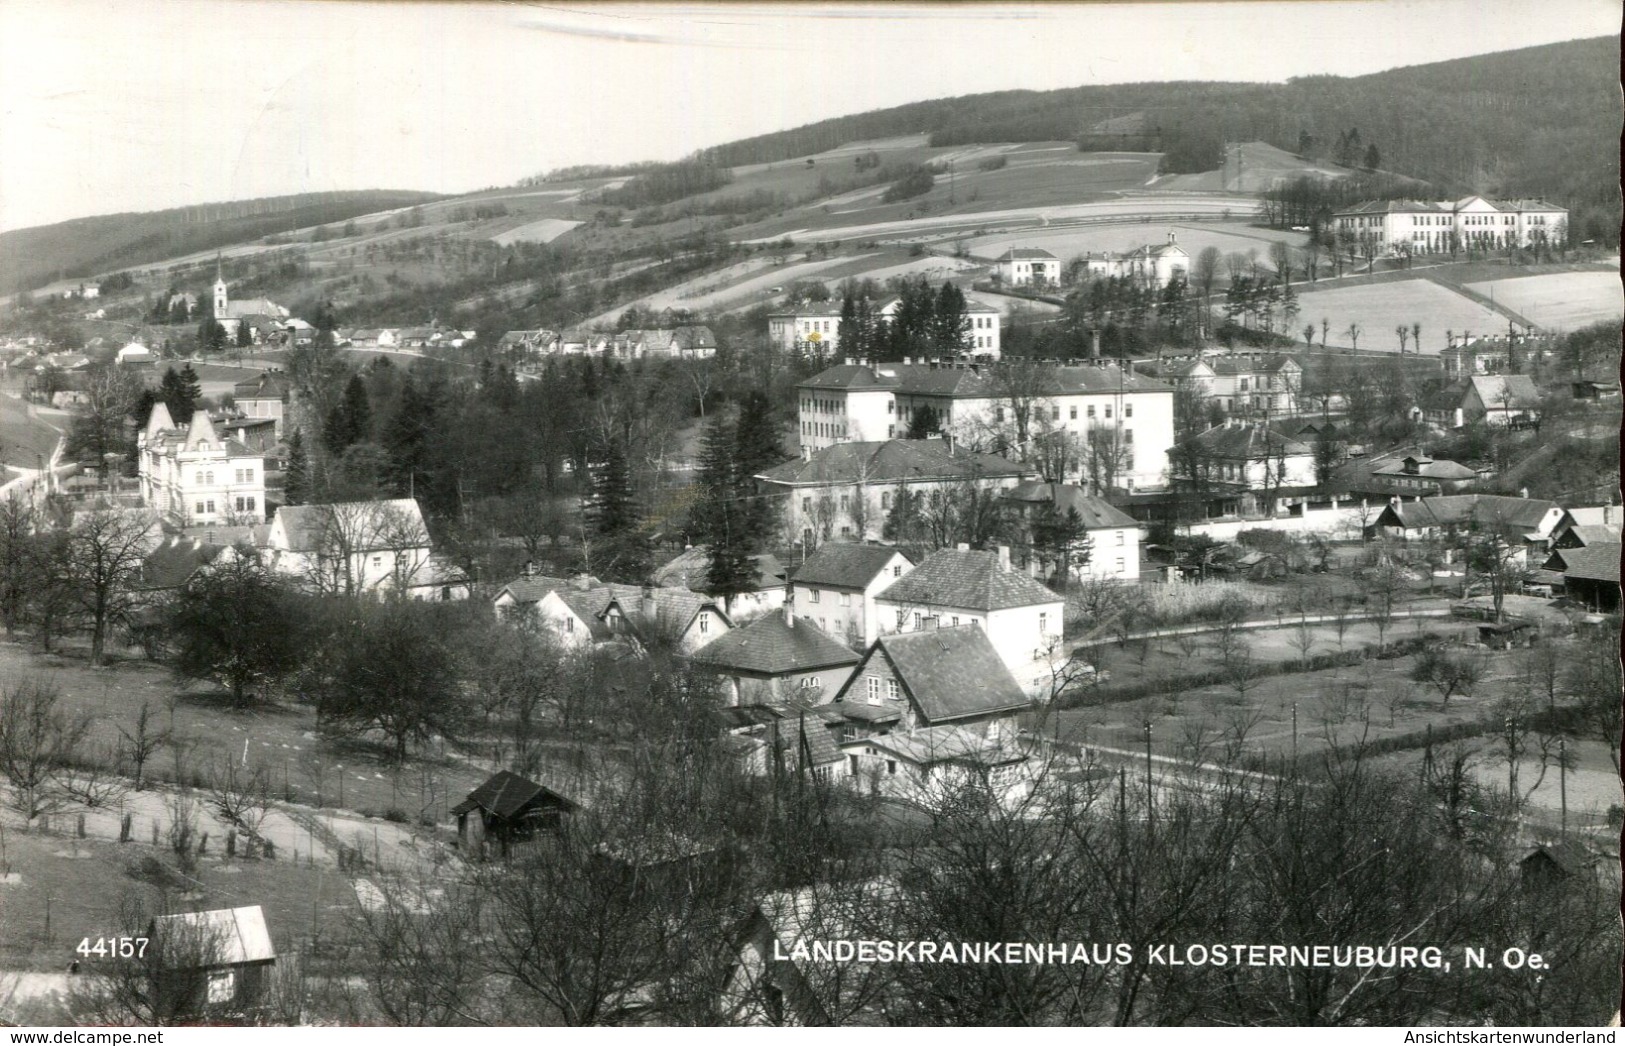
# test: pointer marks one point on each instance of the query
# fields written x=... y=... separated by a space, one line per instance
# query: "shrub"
x=992 y=163
x=916 y=181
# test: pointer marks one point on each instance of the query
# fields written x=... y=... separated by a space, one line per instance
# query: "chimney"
x=1094 y=344
x=1523 y=492
x=1004 y=559
x=789 y=608
x=963 y=546
x=806 y=452
x=529 y=568
x=1171 y=237
x=646 y=605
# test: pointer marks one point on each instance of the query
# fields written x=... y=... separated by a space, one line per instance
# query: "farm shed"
x=213 y=962
x=508 y=808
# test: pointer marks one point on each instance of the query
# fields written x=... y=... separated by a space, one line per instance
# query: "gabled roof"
x=885 y=462
x=1021 y=253
x=1426 y=468
x=951 y=673
x=391 y=523
x=677 y=606
x=1498 y=391
x=1480 y=509
x=506 y=795
x=1248 y=441
x=844 y=565
x=588 y=606
x=774 y=647
x=268 y=385
x=172 y=564
x=227 y=936
x=968 y=580
x=1592 y=563
x=532 y=588
x=1096 y=513
x=690 y=568
x=1602 y=534
x=848 y=376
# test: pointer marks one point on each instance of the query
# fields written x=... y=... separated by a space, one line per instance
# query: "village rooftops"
x=1600 y=534
x=772 y=645
x=690 y=569
x=950 y=673
x=968 y=580
x=1096 y=513
x=840 y=564
x=1496 y=391
x=886 y=462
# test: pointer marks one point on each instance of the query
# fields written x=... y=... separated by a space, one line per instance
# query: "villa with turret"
x=193 y=476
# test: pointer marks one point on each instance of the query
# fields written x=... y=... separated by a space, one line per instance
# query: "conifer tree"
x=296 y=473
x=620 y=550
x=722 y=514
x=350 y=420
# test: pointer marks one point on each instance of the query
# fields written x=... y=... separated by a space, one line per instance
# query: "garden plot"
x=1381 y=307
x=1560 y=301
x=544 y=231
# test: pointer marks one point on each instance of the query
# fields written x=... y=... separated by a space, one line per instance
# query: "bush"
x=992 y=163
x=916 y=181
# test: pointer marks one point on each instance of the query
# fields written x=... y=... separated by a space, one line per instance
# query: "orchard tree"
x=237 y=625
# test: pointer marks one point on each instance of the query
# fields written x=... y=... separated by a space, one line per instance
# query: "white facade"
x=353 y=548
x=1422 y=227
x=1153 y=265
x=1021 y=635
x=1029 y=266
x=814 y=326
x=195 y=477
x=848 y=612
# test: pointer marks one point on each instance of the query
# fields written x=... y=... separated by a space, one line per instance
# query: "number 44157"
x=113 y=947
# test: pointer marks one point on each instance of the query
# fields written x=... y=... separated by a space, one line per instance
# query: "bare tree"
x=141 y=744
x=105 y=549
x=365 y=547
x=38 y=743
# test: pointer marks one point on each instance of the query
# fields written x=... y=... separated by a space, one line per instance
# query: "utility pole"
x=1563 y=787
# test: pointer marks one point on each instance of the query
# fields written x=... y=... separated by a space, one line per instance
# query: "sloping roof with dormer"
x=839 y=564
x=1096 y=513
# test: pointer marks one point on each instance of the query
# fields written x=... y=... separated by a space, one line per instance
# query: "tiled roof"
x=886 y=462
x=952 y=673
x=506 y=795
x=675 y=606
x=946 y=744
x=1254 y=442
x=771 y=646
x=532 y=588
x=303 y=523
x=969 y=580
x=1596 y=535
x=844 y=565
x=1482 y=509
x=848 y=376
x=172 y=564
x=1096 y=513
x=1592 y=563
x=1426 y=468
x=691 y=566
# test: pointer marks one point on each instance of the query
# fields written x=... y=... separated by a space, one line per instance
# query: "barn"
x=211 y=963
x=508 y=808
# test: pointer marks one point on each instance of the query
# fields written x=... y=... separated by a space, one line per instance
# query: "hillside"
x=85 y=247
x=1539 y=121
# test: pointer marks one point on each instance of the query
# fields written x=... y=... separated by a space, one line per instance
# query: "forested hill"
x=85 y=247
x=1539 y=121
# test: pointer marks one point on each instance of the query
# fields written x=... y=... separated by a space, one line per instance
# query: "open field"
x=544 y=230
x=1066 y=243
x=1560 y=301
x=82 y=881
x=1332 y=704
x=281 y=737
x=1379 y=308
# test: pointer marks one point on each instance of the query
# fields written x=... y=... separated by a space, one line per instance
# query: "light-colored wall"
x=817 y=687
x=1017 y=634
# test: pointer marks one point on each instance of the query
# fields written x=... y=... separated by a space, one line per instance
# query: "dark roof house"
x=967 y=579
x=946 y=675
x=844 y=565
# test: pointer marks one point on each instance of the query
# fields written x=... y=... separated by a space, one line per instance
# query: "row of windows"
x=824 y=406
x=823 y=428
x=206 y=479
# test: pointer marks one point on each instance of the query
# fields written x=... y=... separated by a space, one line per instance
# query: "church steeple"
x=221 y=300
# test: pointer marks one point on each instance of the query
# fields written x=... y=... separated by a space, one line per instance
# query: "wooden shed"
x=211 y=963
x=508 y=808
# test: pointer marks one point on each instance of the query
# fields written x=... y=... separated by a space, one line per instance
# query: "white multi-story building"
x=194 y=476
x=1029 y=267
x=1271 y=384
x=1096 y=404
x=1424 y=227
x=1153 y=265
x=817 y=326
x=361 y=548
